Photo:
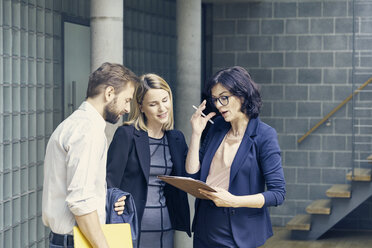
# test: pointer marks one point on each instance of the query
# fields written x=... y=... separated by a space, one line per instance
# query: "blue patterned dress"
x=156 y=227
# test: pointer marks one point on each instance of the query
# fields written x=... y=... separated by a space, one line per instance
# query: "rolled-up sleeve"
x=271 y=164
x=84 y=166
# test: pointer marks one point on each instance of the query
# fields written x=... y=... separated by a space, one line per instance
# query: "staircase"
x=323 y=214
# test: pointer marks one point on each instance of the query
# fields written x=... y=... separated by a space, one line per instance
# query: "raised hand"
x=198 y=121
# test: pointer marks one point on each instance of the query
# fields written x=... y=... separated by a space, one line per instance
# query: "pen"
x=202 y=114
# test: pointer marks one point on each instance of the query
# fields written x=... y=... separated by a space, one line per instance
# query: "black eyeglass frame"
x=220 y=100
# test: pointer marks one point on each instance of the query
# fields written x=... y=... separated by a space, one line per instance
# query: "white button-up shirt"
x=75 y=170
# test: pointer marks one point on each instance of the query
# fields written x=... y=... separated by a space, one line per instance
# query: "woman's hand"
x=119 y=205
x=222 y=198
x=198 y=121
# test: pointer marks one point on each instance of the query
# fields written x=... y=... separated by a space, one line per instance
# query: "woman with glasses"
x=143 y=148
x=240 y=158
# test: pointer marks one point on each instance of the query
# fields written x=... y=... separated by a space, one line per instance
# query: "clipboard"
x=188 y=185
x=117 y=235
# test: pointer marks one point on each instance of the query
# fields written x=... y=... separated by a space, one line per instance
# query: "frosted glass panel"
x=30 y=82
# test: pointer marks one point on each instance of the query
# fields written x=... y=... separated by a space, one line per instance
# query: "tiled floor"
x=332 y=239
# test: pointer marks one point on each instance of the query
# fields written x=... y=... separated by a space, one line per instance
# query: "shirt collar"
x=97 y=117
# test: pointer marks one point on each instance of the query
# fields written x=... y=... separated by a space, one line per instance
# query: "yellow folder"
x=117 y=235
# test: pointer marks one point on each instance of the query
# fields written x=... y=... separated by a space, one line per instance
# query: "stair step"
x=322 y=206
x=360 y=174
x=339 y=191
x=300 y=222
x=370 y=158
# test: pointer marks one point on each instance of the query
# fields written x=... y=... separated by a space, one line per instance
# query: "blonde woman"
x=143 y=148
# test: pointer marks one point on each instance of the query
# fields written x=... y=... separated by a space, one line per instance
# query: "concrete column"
x=188 y=62
x=107 y=38
x=188 y=79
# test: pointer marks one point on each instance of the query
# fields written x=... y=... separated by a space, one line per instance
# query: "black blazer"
x=128 y=168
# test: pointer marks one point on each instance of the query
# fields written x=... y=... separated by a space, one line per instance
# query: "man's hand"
x=119 y=205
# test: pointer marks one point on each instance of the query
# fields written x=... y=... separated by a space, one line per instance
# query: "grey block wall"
x=150 y=38
x=300 y=53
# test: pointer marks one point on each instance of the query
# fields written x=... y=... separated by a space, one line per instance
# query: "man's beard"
x=110 y=114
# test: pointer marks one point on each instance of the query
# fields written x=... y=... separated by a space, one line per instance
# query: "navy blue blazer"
x=128 y=168
x=129 y=214
x=257 y=164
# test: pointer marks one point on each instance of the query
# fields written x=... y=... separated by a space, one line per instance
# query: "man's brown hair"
x=110 y=74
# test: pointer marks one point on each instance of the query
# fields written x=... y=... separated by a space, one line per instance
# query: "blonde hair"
x=136 y=117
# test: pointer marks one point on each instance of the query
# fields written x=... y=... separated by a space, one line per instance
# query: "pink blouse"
x=219 y=172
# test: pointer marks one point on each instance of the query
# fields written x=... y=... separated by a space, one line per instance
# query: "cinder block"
x=223 y=59
x=321 y=93
x=248 y=27
x=343 y=59
x=309 y=109
x=318 y=191
x=311 y=143
x=276 y=123
x=285 y=209
x=248 y=59
x=272 y=26
x=296 y=59
x=366 y=61
x=260 y=43
x=310 y=76
x=282 y=10
x=297 y=191
x=310 y=42
x=343 y=159
x=272 y=59
x=284 y=109
x=335 y=9
x=218 y=43
x=345 y=25
x=266 y=110
x=261 y=76
x=287 y=43
x=363 y=43
x=287 y=142
x=321 y=26
x=236 y=43
x=290 y=174
x=342 y=92
x=322 y=129
x=336 y=42
x=321 y=159
x=335 y=76
x=334 y=176
x=363 y=9
x=296 y=125
x=309 y=9
x=327 y=107
x=236 y=10
x=218 y=11
x=321 y=59
x=297 y=26
x=260 y=10
x=285 y=76
x=366 y=26
x=308 y=175
x=272 y=92
x=334 y=143
x=224 y=27
x=343 y=125
x=296 y=92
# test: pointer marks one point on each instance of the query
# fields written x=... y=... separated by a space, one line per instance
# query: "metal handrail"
x=334 y=110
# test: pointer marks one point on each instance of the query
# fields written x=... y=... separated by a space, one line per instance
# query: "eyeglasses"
x=224 y=100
